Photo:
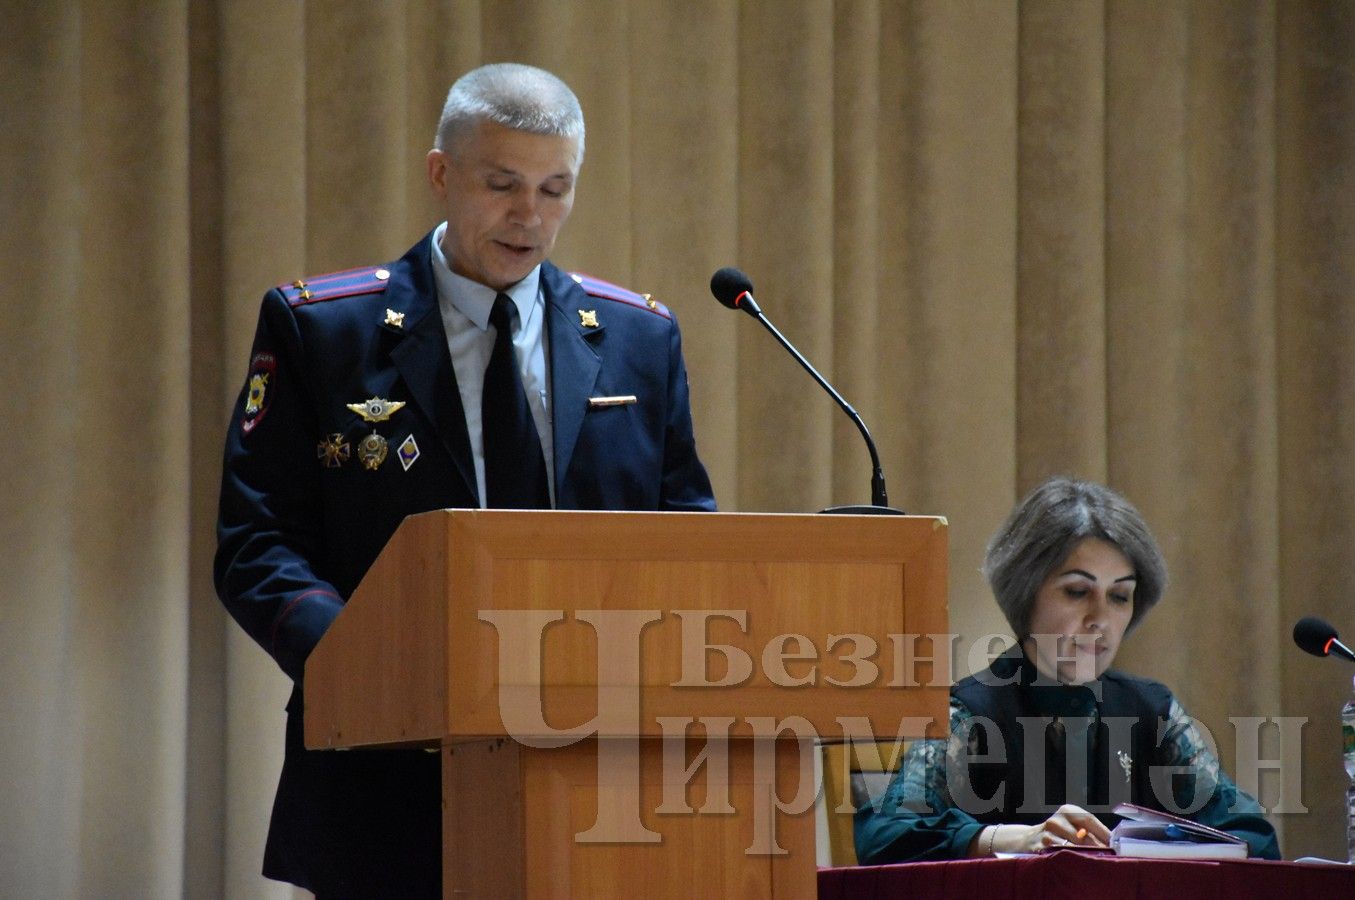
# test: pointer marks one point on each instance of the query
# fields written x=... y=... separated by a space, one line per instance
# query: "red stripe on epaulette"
x=337 y=294
x=336 y=285
x=341 y=274
x=597 y=287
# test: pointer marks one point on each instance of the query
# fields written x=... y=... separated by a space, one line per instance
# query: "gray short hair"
x=1044 y=529
x=514 y=95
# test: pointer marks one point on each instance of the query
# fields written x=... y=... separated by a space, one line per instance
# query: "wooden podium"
x=571 y=666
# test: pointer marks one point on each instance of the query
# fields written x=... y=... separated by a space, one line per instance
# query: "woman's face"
x=1081 y=612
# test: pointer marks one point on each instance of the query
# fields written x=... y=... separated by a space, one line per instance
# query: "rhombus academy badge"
x=262 y=369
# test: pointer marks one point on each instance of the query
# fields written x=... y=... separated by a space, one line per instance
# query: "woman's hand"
x=1069 y=826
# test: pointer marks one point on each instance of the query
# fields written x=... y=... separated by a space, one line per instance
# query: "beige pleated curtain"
x=1111 y=239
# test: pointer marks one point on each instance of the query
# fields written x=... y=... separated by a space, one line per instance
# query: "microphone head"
x=729 y=284
x=1314 y=635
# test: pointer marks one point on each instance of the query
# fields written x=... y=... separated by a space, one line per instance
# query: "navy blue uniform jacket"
x=301 y=518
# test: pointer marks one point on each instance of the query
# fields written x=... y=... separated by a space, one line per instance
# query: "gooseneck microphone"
x=735 y=290
x=1318 y=637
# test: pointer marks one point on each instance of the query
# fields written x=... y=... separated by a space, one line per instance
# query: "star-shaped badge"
x=395 y=319
x=588 y=318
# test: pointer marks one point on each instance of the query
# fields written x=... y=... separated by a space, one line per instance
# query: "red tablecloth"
x=1079 y=876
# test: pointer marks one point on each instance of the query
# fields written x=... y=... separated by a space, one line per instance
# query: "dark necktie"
x=515 y=469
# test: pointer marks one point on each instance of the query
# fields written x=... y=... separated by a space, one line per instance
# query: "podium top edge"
x=938 y=521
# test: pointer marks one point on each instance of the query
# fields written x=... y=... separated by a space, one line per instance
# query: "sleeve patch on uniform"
x=262 y=372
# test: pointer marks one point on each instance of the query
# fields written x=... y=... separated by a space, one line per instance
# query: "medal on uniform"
x=408 y=451
x=376 y=409
x=332 y=451
x=372 y=451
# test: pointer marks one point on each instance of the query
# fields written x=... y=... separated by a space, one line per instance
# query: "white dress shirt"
x=465 y=307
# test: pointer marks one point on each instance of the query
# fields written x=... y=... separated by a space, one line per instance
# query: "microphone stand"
x=879 y=499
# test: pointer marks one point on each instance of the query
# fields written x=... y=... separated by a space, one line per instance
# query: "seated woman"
x=1048 y=739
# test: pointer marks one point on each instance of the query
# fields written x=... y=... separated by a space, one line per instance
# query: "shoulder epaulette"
x=349 y=283
x=596 y=287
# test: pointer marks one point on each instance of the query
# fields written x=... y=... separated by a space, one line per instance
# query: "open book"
x=1160 y=835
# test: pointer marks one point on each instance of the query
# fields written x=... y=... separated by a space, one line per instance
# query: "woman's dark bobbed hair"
x=1043 y=530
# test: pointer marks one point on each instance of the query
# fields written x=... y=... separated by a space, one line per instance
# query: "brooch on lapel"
x=408 y=451
x=588 y=318
x=372 y=451
x=1126 y=763
x=376 y=409
x=332 y=451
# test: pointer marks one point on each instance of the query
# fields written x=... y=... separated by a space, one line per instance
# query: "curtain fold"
x=855 y=300
x=684 y=209
x=1061 y=246
x=1208 y=480
x=1111 y=239
x=948 y=140
x=1315 y=351
x=130 y=478
x=784 y=128
x=40 y=68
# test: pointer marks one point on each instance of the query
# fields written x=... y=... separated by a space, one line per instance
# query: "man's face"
x=506 y=193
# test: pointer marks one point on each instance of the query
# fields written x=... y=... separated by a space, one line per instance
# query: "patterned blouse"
x=918 y=819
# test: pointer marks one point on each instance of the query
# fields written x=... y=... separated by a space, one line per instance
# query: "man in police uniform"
x=469 y=373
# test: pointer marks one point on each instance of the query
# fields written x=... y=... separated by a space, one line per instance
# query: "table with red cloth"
x=1078 y=875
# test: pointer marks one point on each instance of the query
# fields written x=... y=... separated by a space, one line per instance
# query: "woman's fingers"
x=1087 y=838
x=1074 y=826
x=1094 y=832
